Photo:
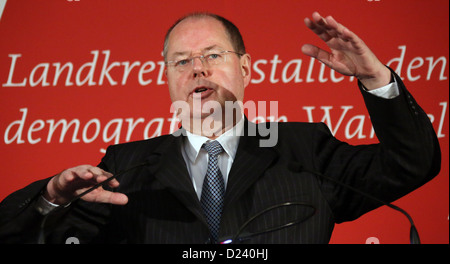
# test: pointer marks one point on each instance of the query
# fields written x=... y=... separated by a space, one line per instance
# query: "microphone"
x=41 y=237
x=413 y=233
x=240 y=236
x=102 y=183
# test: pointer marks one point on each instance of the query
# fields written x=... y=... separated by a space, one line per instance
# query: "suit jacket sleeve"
x=19 y=220
x=407 y=156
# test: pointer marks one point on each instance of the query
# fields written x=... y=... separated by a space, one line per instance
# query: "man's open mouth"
x=199 y=90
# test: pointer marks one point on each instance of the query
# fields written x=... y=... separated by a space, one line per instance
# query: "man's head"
x=233 y=32
x=197 y=42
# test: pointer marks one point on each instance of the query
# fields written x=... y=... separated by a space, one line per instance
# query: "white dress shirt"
x=196 y=157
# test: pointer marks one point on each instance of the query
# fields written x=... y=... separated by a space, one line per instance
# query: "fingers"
x=116 y=198
x=102 y=196
x=348 y=54
x=97 y=175
x=328 y=28
x=65 y=186
x=317 y=53
x=88 y=175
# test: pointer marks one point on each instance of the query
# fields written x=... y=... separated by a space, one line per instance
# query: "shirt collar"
x=229 y=141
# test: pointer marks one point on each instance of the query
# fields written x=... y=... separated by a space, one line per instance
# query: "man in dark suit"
x=161 y=200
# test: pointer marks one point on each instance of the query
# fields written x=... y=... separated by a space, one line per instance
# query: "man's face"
x=220 y=83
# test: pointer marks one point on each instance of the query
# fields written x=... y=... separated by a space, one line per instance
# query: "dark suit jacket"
x=163 y=206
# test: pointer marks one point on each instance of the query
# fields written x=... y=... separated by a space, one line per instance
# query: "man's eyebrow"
x=184 y=53
x=211 y=48
x=180 y=53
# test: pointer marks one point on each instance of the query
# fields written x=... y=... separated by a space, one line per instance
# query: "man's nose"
x=199 y=67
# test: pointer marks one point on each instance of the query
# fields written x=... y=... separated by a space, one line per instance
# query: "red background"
x=61 y=31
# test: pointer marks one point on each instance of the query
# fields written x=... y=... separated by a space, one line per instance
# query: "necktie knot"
x=213 y=148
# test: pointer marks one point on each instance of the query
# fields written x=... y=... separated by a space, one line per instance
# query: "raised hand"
x=348 y=54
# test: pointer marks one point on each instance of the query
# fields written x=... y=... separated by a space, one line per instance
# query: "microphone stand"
x=413 y=233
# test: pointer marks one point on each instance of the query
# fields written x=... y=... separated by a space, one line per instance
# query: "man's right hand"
x=63 y=187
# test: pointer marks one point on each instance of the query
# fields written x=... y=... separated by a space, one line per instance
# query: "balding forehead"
x=190 y=18
x=197 y=34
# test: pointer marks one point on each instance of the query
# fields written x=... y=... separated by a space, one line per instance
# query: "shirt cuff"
x=389 y=91
x=44 y=207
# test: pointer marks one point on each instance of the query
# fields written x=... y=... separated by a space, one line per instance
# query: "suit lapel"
x=250 y=163
x=169 y=167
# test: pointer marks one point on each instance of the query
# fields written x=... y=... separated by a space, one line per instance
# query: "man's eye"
x=182 y=62
x=213 y=56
